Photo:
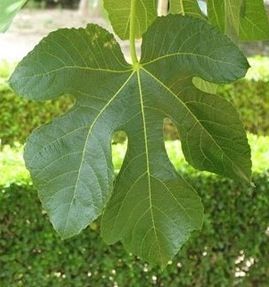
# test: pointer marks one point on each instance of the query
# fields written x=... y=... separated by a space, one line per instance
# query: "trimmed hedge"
x=251 y=99
x=19 y=117
x=231 y=250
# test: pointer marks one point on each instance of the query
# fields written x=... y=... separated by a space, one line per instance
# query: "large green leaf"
x=240 y=19
x=185 y=7
x=121 y=13
x=152 y=209
x=8 y=10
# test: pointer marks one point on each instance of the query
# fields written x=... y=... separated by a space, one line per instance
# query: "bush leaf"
x=152 y=209
x=9 y=9
x=254 y=23
x=240 y=19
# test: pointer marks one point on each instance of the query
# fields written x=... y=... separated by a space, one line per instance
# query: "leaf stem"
x=162 y=7
x=182 y=10
x=132 y=33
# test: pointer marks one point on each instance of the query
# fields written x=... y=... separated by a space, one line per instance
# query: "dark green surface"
x=31 y=254
x=162 y=209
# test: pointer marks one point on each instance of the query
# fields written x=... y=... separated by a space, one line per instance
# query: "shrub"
x=251 y=99
x=230 y=251
x=19 y=117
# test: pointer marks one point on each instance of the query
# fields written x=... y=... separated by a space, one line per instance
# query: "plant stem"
x=132 y=33
x=162 y=7
x=182 y=10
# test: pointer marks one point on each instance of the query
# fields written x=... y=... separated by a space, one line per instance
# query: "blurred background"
x=231 y=250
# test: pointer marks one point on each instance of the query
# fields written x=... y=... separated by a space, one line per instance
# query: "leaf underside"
x=8 y=10
x=150 y=207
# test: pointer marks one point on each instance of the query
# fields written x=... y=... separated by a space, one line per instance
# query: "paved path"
x=30 y=26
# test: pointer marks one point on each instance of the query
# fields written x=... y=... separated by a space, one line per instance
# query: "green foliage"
x=70 y=159
x=75 y=185
x=243 y=19
x=33 y=255
x=19 y=117
x=6 y=69
x=12 y=167
x=249 y=96
x=259 y=147
x=254 y=23
x=8 y=10
x=260 y=152
x=226 y=15
x=122 y=12
x=185 y=7
x=233 y=237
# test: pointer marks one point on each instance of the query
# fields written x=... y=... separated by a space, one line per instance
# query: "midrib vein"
x=147 y=158
x=182 y=7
